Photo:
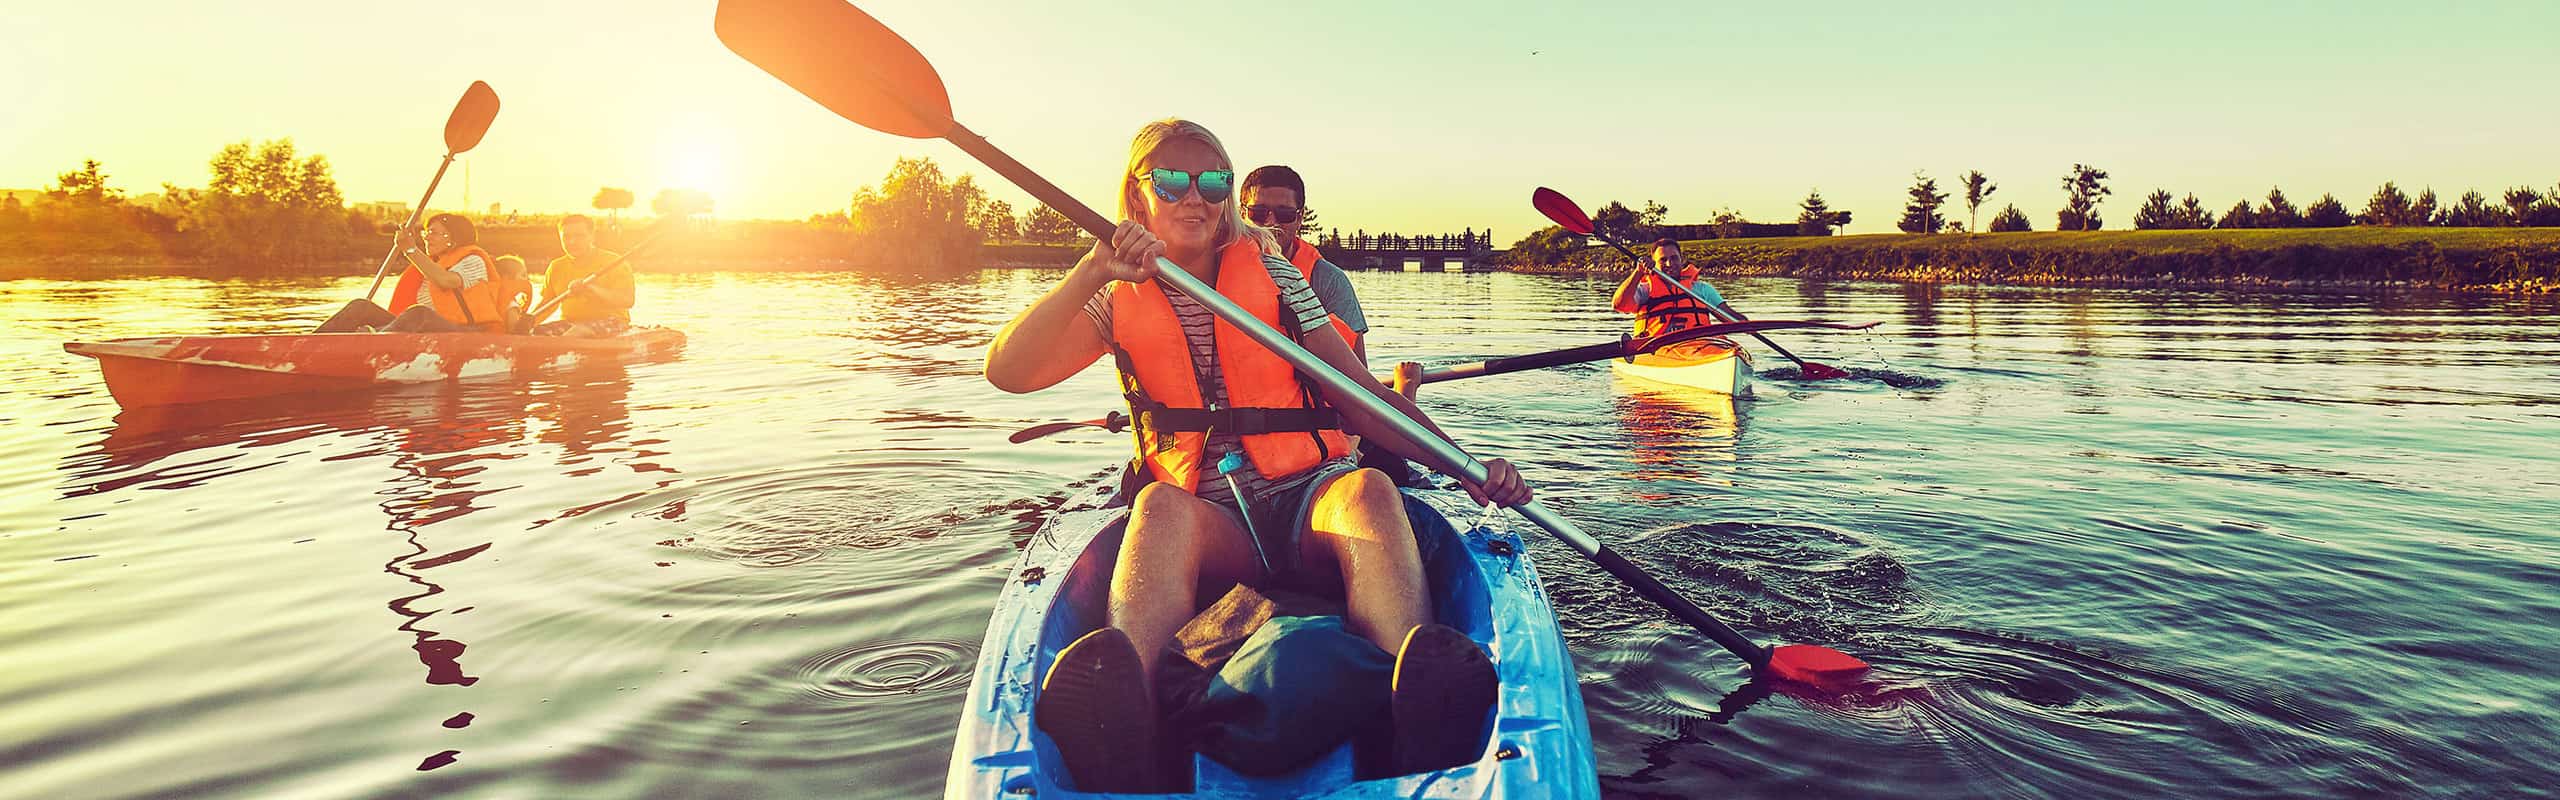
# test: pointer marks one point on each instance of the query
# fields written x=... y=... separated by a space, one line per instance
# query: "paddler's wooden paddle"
x=1622 y=348
x=1570 y=216
x=462 y=131
x=861 y=70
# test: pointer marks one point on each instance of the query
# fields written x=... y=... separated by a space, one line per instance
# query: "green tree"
x=1546 y=246
x=2327 y=212
x=2010 y=220
x=2086 y=187
x=88 y=184
x=1977 y=188
x=1728 y=224
x=916 y=217
x=2192 y=216
x=1920 y=215
x=1816 y=217
x=1617 y=221
x=2390 y=206
x=1046 y=226
x=2423 y=212
x=2277 y=212
x=2520 y=202
x=266 y=205
x=996 y=220
x=2240 y=216
x=2472 y=211
x=2156 y=213
x=612 y=200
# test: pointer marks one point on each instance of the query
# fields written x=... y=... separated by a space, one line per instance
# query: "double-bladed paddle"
x=861 y=70
x=1622 y=348
x=462 y=131
x=1565 y=213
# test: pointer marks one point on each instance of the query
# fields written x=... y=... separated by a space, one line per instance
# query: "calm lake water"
x=2098 y=543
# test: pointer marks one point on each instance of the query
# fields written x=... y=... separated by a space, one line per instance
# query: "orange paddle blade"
x=1553 y=204
x=841 y=58
x=471 y=117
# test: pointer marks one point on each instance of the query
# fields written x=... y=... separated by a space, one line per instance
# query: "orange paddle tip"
x=1815 y=665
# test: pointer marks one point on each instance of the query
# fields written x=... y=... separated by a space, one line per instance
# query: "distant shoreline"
x=2464 y=260
x=2471 y=260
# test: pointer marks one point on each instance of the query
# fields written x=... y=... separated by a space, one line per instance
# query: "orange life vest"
x=476 y=306
x=1282 y=421
x=1670 y=308
x=1304 y=255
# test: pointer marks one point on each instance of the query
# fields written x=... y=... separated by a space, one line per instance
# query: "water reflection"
x=1676 y=435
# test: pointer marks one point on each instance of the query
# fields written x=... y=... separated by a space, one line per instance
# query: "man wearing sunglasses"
x=1275 y=198
x=1663 y=308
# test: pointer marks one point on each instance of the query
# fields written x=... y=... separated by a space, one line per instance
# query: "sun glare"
x=695 y=162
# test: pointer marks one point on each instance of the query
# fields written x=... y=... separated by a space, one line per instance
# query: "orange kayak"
x=194 y=369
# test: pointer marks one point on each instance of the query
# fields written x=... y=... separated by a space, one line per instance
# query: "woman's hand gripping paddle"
x=1568 y=215
x=463 y=130
x=866 y=73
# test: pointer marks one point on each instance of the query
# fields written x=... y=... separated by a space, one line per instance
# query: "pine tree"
x=2388 y=206
x=2155 y=213
x=2327 y=212
x=2010 y=220
x=1817 y=218
x=2471 y=211
x=2520 y=202
x=2192 y=216
x=2240 y=216
x=2423 y=212
x=2278 y=212
x=1921 y=214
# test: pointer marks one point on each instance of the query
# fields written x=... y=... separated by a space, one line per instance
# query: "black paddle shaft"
x=1623 y=348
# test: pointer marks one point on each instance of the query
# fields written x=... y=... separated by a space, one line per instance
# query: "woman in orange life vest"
x=447 y=286
x=1312 y=510
x=1665 y=308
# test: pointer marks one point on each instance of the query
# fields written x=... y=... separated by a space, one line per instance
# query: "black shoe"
x=1444 y=686
x=1096 y=705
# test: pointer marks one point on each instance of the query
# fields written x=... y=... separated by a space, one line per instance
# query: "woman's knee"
x=1362 y=491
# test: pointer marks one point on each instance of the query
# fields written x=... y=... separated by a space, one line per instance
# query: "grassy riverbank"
x=2525 y=260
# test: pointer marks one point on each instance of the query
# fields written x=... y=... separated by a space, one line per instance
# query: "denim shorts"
x=1278 y=523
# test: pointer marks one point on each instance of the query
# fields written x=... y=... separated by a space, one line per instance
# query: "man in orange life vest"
x=601 y=305
x=446 y=287
x=1665 y=308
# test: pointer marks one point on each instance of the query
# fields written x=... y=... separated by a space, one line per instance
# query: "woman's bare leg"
x=1176 y=545
x=1357 y=527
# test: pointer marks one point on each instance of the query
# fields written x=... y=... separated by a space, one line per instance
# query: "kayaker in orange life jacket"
x=1664 y=308
x=1276 y=199
x=446 y=287
x=602 y=305
x=1294 y=509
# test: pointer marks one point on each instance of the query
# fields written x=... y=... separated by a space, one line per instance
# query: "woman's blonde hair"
x=1152 y=137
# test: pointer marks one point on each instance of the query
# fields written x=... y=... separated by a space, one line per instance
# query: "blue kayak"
x=1482 y=583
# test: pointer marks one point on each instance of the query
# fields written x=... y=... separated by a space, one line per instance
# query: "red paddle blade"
x=1817 y=371
x=1814 y=665
x=841 y=58
x=1553 y=204
x=471 y=117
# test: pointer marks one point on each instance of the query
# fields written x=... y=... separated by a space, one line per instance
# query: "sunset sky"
x=1403 y=116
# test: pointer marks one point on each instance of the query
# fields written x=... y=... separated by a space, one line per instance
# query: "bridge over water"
x=1470 y=251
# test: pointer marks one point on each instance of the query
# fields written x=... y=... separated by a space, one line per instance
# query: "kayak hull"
x=1482 y=583
x=176 y=370
x=1712 y=365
